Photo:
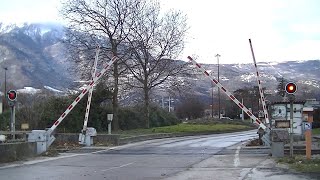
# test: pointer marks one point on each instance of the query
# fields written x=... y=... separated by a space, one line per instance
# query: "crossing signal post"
x=12 y=98
x=290 y=89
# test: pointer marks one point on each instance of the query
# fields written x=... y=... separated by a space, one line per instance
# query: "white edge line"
x=40 y=161
x=124 y=165
x=236 y=161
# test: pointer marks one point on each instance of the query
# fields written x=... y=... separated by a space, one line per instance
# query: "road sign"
x=307 y=126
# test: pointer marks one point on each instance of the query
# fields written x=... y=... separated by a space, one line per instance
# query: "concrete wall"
x=112 y=139
x=106 y=139
x=17 y=151
x=66 y=137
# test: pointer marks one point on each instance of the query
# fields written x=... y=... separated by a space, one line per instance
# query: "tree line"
x=40 y=111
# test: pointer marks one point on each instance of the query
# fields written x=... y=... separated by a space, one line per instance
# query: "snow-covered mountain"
x=304 y=73
x=35 y=57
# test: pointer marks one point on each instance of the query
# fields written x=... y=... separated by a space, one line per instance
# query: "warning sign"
x=307 y=126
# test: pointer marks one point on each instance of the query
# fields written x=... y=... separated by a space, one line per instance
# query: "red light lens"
x=12 y=95
x=291 y=88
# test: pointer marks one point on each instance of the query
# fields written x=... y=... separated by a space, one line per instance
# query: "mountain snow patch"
x=52 y=89
x=312 y=83
x=247 y=77
x=29 y=90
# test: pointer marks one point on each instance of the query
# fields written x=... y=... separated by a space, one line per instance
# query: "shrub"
x=5 y=121
x=130 y=118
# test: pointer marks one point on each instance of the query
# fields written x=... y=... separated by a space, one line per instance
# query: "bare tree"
x=103 y=22
x=31 y=108
x=155 y=41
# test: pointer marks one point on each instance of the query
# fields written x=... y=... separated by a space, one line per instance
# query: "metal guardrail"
x=16 y=132
x=17 y=136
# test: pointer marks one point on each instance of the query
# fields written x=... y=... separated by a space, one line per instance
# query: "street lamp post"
x=5 y=88
x=212 y=100
x=218 y=55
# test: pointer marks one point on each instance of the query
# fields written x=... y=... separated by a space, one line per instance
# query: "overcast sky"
x=280 y=30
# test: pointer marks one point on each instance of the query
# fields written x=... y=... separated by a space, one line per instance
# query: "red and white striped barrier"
x=86 y=117
x=84 y=92
x=232 y=97
x=260 y=87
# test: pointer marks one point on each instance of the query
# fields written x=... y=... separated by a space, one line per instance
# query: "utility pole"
x=5 y=88
x=218 y=55
x=212 y=100
x=169 y=104
x=162 y=103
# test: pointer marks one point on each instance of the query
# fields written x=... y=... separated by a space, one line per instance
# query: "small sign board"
x=24 y=126
x=282 y=123
x=307 y=126
x=109 y=117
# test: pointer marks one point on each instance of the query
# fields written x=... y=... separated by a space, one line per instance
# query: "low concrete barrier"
x=107 y=139
x=66 y=137
x=17 y=151
x=112 y=139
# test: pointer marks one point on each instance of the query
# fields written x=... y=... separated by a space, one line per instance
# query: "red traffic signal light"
x=291 y=88
x=12 y=95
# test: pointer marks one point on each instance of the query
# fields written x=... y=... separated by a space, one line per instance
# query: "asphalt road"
x=199 y=157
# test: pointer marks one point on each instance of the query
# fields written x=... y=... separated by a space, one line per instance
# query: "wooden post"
x=308 y=113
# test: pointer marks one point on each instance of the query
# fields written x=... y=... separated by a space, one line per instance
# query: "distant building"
x=312 y=103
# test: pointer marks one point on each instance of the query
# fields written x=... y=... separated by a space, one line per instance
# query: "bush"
x=159 y=117
x=132 y=118
x=190 y=107
x=5 y=121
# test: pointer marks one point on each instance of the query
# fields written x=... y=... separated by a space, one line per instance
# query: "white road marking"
x=124 y=165
x=41 y=160
x=236 y=161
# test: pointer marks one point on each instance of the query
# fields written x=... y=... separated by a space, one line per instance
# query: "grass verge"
x=301 y=164
x=316 y=131
x=187 y=128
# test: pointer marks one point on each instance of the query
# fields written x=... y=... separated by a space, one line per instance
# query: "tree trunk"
x=115 y=105
x=146 y=105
